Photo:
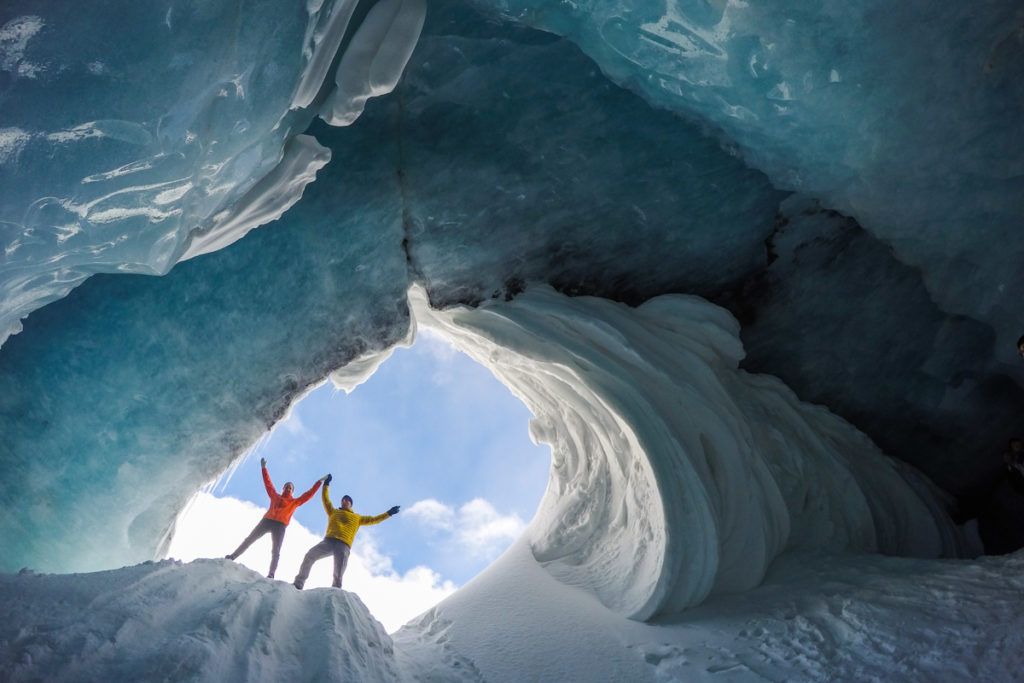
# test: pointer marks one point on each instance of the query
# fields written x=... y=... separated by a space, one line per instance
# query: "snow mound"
x=209 y=620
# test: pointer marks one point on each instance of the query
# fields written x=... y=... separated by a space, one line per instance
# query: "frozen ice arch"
x=479 y=178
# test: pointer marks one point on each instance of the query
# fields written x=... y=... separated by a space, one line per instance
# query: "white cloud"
x=481 y=526
x=295 y=427
x=433 y=513
x=440 y=352
x=435 y=345
x=213 y=527
x=475 y=527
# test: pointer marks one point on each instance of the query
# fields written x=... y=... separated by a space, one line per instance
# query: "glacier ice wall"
x=510 y=178
x=119 y=401
x=128 y=150
x=907 y=118
x=674 y=473
x=503 y=159
x=912 y=375
x=115 y=144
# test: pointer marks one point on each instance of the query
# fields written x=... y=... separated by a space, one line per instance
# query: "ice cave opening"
x=461 y=464
x=753 y=268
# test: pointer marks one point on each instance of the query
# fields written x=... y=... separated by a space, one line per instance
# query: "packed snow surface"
x=211 y=620
x=816 y=618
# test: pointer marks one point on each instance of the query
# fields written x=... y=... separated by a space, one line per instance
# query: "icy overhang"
x=506 y=159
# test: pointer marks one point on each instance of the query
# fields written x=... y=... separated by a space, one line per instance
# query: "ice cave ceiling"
x=846 y=178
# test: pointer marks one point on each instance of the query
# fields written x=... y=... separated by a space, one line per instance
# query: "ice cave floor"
x=815 y=618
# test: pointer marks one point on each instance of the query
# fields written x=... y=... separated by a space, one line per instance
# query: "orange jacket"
x=282 y=506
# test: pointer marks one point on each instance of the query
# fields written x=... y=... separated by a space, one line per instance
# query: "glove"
x=394 y=511
x=263 y=462
x=327 y=479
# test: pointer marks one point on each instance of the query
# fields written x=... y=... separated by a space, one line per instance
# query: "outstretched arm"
x=377 y=519
x=271 y=491
x=309 y=494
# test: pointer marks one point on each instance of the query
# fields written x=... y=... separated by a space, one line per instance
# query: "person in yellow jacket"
x=342 y=525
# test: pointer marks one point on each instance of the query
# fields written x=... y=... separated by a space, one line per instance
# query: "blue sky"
x=432 y=431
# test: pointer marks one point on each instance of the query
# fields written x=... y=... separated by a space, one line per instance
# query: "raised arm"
x=308 y=494
x=326 y=497
x=271 y=491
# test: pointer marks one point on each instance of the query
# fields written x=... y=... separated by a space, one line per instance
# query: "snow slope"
x=816 y=618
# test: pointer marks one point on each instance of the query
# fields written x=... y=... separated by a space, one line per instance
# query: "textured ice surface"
x=126 y=125
x=895 y=364
x=509 y=176
x=906 y=118
x=125 y=129
x=674 y=473
x=375 y=58
x=214 y=353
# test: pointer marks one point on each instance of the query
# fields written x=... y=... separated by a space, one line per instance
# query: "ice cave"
x=754 y=268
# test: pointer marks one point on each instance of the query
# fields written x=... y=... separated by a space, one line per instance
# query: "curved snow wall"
x=675 y=474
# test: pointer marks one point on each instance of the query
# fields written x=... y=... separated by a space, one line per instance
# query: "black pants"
x=276 y=530
x=328 y=546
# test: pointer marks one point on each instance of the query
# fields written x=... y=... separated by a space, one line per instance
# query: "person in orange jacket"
x=282 y=507
x=342 y=525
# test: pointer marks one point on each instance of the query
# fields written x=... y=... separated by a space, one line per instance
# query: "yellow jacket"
x=343 y=524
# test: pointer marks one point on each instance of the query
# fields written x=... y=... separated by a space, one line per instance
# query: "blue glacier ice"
x=844 y=181
x=906 y=117
x=609 y=184
x=363 y=231
x=128 y=150
x=217 y=350
x=127 y=126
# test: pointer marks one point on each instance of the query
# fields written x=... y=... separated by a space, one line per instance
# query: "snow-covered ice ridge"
x=211 y=620
x=675 y=474
x=817 y=618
